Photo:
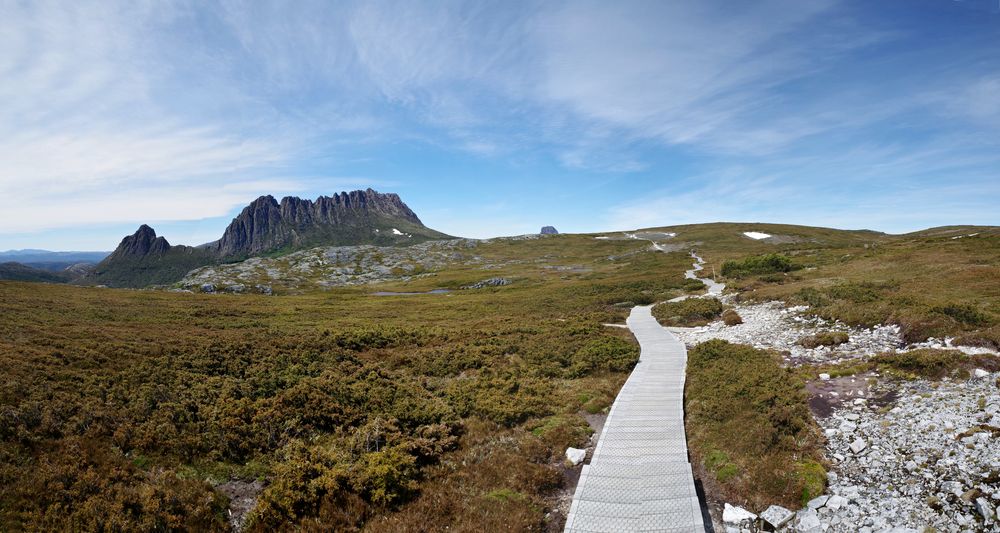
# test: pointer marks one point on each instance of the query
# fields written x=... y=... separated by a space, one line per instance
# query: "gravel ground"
x=932 y=459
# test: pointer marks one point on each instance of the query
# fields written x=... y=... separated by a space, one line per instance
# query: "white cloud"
x=84 y=140
x=685 y=73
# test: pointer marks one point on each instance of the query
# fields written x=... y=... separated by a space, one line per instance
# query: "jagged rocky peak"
x=143 y=242
x=340 y=207
x=267 y=225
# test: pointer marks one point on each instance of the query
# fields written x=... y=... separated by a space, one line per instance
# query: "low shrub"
x=731 y=317
x=965 y=314
x=562 y=431
x=748 y=424
x=757 y=265
x=606 y=353
x=811 y=297
x=693 y=285
x=934 y=364
x=985 y=338
x=826 y=338
x=689 y=312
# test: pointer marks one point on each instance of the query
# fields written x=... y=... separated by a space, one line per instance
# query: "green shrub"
x=860 y=291
x=826 y=338
x=606 y=353
x=562 y=431
x=811 y=297
x=688 y=312
x=757 y=265
x=964 y=313
x=386 y=476
x=748 y=422
x=813 y=477
x=927 y=363
x=693 y=285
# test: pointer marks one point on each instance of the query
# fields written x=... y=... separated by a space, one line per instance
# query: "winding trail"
x=639 y=477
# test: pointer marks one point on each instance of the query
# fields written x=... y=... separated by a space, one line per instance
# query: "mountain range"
x=266 y=227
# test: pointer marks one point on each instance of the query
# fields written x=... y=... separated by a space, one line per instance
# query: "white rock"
x=985 y=509
x=808 y=522
x=858 y=446
x=824 y=377
x=836 y=502
x=776 y=516
x=818 y=502
x=980 y=373
x=736 y=515
x=575 y=455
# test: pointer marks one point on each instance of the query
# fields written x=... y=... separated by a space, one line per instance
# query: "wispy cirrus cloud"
x=192 y=108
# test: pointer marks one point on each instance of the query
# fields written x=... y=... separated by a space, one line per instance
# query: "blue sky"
x=495 y=118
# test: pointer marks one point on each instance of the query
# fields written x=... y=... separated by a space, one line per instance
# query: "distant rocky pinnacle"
x=549 y=230
x=267 y=225
x=141 y=243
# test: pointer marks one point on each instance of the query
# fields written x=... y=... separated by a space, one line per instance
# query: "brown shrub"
x=826 y=338
x=731 y=317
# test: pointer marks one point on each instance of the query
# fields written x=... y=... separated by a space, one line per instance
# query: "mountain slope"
x=267 y=227
x=11 y=271
x=358 y=217
x=144 y=259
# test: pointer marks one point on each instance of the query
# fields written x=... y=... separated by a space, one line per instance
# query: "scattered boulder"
x=575 y=455
x=492 y=282
x=836 y=502
x=207 y=287
x=817 y=502
x=776 y=516
x=808 y=522
x=264 y=289
x=737 y=515
x=549 y=230
x=824 y=377
x=985 y=509
x=980 y=373
x=858 y=446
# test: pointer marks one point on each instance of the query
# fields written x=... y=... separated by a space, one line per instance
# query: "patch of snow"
x=756 y=235
x=963 y=236
x=602 y=238
x=396 y=231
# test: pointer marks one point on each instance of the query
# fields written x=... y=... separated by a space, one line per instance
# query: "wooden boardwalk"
x=639 y=478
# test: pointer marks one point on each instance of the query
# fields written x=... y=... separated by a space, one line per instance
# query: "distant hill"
x=11 y=271
x=267 y=227
x=51 y=261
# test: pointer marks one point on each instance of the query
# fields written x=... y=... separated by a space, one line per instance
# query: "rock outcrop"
x=267 y=225
x=549 y=230
x=141 y=243
x=143 y=259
